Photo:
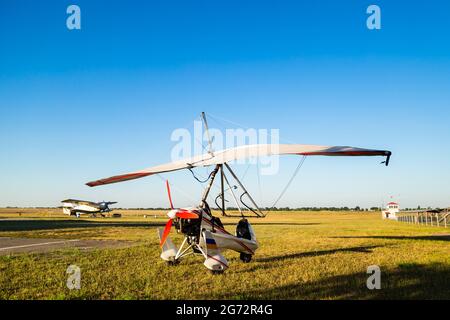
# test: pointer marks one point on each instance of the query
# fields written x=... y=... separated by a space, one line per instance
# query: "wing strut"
x=258 y=213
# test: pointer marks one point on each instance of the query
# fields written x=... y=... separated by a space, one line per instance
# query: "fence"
x=438 y=217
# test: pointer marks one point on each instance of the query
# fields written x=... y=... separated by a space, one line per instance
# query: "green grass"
x=301 y=256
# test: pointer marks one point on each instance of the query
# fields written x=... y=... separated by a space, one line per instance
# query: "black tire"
x=245 y=257
x=216 y=272
x=173 y=262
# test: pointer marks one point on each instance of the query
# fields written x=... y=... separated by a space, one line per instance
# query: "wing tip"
x=388 y=157
x=120 y=178
x=95 y=183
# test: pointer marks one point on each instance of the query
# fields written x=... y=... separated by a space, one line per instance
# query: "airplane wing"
x=242 y=152
x=79 y=202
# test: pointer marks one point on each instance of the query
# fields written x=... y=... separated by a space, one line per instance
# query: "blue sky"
x=85 y=104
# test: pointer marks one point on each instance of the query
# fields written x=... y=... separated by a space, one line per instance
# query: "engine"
x=190 y=227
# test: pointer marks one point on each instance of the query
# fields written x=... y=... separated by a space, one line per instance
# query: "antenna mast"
x=205 y=123
x=223 y=179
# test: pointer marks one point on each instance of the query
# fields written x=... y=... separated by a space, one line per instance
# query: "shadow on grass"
x=30 y=225
x=408 y=281
x=437 y=237
x=366 y=249
x=283 y=224
x=265 y=263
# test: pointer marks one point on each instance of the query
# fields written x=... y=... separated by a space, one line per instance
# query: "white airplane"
x=203 y=233
x=73 y=207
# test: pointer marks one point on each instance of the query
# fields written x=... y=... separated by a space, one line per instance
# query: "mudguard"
x=169 y=250
x=214 y=261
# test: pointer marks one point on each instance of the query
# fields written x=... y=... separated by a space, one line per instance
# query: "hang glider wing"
x=173 y=166
x=243 y=152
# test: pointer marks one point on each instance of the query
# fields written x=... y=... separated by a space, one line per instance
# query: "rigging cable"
x=290 y=181
x=245 y=172
x=175 y=187
x=218 y=119
x=259 y=181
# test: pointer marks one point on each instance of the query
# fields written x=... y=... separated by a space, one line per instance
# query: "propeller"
x=104 y=205
x=173 y=214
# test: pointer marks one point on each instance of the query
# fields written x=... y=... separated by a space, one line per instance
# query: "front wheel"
x=173 y=262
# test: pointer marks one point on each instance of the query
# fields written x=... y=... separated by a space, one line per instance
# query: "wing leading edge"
x=243 y=152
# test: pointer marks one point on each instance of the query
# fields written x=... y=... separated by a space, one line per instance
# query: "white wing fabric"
x=243 y=152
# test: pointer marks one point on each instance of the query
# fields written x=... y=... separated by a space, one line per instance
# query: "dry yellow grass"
x=303 y=255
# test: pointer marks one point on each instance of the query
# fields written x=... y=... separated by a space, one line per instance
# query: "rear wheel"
x=245 y=257
x=215 y=272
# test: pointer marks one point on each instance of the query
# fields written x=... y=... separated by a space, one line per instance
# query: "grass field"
x=302 y=255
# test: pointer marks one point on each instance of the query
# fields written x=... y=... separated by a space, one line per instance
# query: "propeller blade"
x=168 y=192
x=166 y=232
x=186 y=215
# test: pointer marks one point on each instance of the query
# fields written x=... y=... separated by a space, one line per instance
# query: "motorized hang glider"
x=74 y=207
x=204 y=233
x=247 y=151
